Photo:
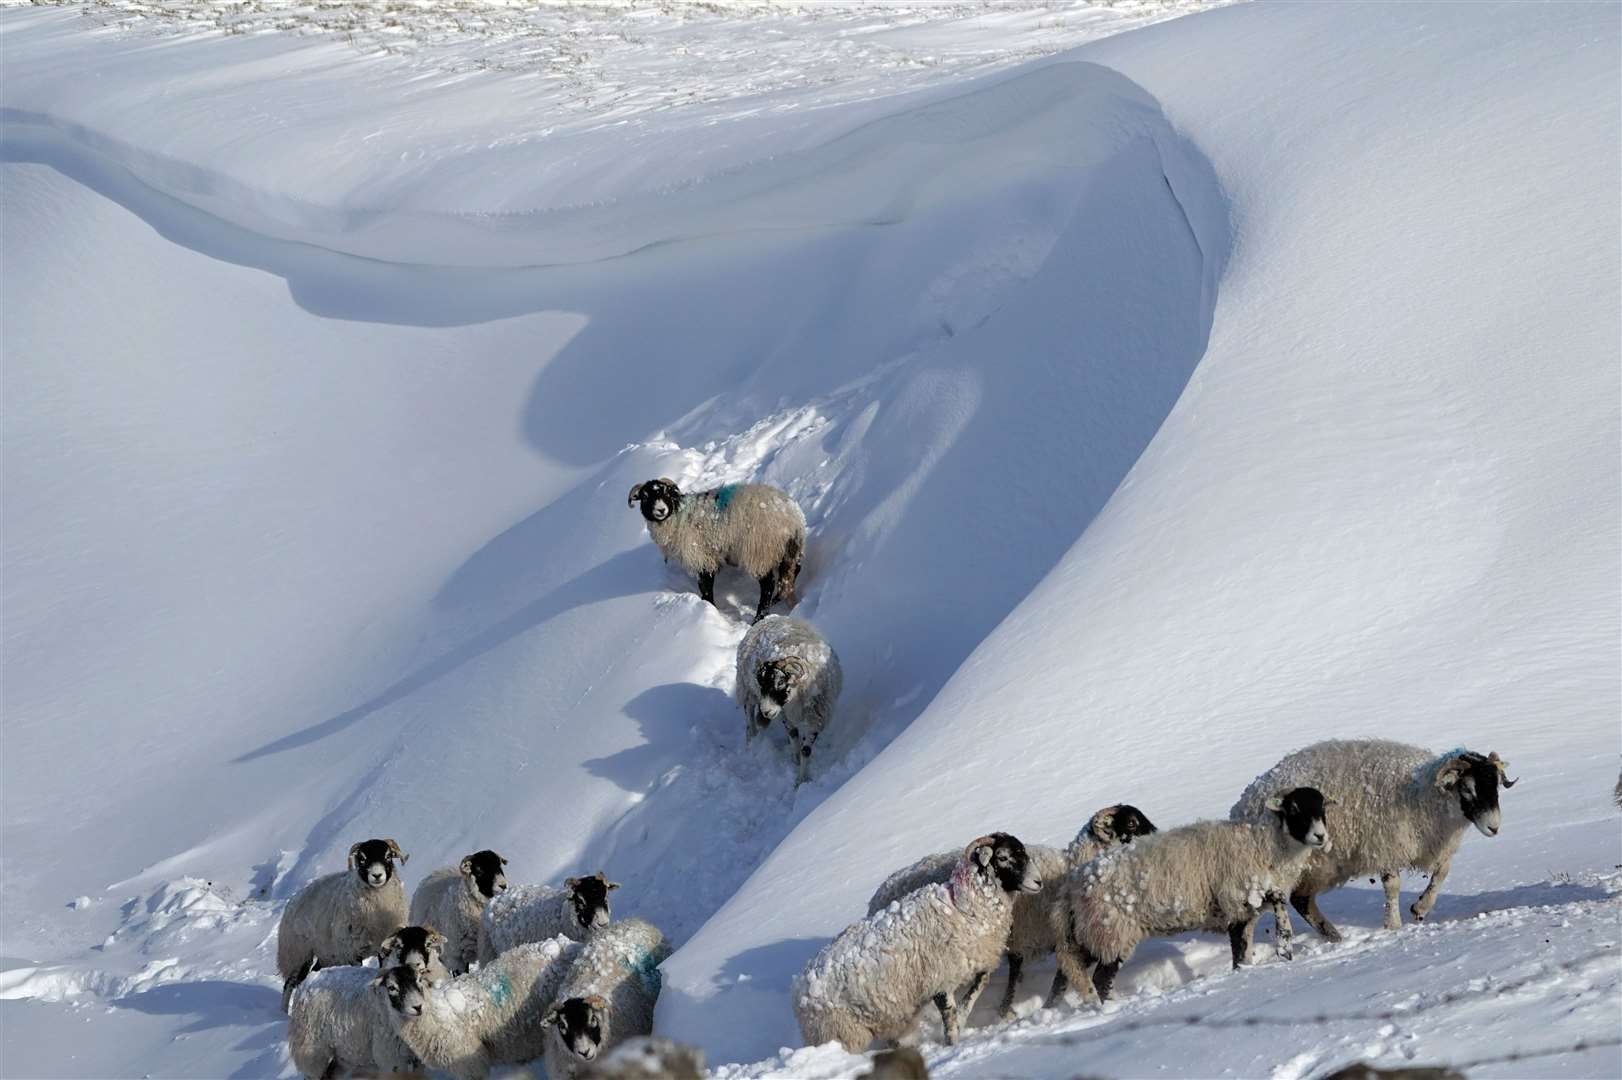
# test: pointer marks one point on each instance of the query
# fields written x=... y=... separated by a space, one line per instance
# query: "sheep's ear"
x=503 y=861
x=394 y=849
x=1503 y=769
x=612 y=884
x=570 y=883
x=467 y=867
x=636 y=493
x=354 y=850
x=552 y=1017
x=388 y=946
x=1276 y=804
x=436 y=940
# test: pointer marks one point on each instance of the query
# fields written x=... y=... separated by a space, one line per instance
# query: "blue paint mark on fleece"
x=646 y=968
x=501 y=991
x=723 y=495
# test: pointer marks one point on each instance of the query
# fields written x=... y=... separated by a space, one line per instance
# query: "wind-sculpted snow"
x=1232 y=385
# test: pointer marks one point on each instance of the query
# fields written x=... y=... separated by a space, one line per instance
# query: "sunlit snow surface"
x=1157 y=407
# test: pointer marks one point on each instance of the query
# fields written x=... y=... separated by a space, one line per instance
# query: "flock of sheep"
x=477 y=973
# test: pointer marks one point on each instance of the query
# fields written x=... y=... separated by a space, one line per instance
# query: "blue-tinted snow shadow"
x=1364 y=908
x=667 y=716
x=774 y=964
x=218 y=1003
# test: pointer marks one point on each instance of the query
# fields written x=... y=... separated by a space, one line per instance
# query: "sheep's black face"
x=484 y=867
x=1010 y=865
x=1477 y=789
x=660 y=499
x=407 y=993
x=415 y=947
x=1127 y=822
x=1303 y=812
x=373 y=861
x=588 y=897
x=580 y=1025
x=776 y=683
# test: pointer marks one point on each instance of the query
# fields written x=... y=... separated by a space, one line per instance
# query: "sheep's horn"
x=794 y=666
x=1502 y=767
x=394 y=849
x=354 y=849
x=636 y=493
x=1102 y=826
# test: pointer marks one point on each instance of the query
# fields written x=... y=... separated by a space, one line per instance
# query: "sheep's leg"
x=1392 y=883
x=751 y=722
x=768 y=594
x=331 y=1071
x=802 y=764
x=706 y=586
x=1239 y=940
x=788 y=573
x=1016 y=967
x=1427 y=899
x=972 y=993
x=1307 y=905
x=1104 y=978
x=1074 y=960
x=1283 y=932
x=948 y=1008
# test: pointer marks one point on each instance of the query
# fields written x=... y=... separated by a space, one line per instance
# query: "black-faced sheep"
x=754 y=527
x=337 y=1025
x=1402 y=807
x=1031 y=935
x=1211 y=875
x=786 y=668
x=453 y=900
x=489 y=1017
x=607 y=997
x=342 y=918
x=528 y=913
x=870 y=981
x=419 y=947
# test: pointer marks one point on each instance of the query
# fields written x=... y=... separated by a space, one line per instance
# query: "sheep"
x=489 y=1017
x=419 y=947
x=786 y=668
x=755 y=527
x=537 y=912
x=648 y=1057
x=870 y=981
x=1031 y=937
x=608 y=996
x=1404 y=808
x=454 y=900
x=336 y=1024
x=1211 y=875
x=341 y=918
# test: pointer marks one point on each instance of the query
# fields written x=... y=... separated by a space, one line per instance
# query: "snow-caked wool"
x=870 y=981
x=526 y=913
x=452 y=902
x=492 y=1016
x=339 y=918
x=1400 y=808
x=612 y=988
x=787 y=668
x=337 y=1025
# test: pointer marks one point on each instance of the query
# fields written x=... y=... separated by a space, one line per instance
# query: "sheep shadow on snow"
x=668 y=716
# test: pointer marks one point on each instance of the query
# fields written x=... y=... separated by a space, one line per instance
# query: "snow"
x=1157 y=405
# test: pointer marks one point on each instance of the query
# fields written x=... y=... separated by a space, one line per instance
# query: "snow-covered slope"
x=1156 y=408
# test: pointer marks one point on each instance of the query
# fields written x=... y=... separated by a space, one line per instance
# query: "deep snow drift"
x=1230 y=384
